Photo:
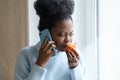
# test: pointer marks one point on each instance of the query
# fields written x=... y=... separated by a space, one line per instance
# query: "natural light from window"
x=109 y=39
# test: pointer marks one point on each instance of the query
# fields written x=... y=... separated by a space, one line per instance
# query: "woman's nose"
x=68 y=39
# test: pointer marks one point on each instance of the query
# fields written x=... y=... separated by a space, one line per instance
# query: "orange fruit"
x=70 y=47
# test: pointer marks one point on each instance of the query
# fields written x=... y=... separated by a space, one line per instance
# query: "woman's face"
x=62 y=33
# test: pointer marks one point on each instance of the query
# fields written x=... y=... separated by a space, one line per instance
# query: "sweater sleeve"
x=23 y=70
x=79 y=72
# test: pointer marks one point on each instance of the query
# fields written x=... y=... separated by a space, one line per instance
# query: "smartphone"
x=43 y=34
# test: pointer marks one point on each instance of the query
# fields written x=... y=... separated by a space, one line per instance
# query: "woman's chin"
x=62 y=50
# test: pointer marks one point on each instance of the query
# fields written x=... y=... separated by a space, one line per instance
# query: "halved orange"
x=70 y=47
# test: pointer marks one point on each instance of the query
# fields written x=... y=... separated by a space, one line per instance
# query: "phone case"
x=43 y=34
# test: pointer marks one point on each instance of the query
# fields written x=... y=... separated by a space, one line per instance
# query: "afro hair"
x=51 y=10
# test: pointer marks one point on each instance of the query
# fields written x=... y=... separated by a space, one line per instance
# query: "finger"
x=77 y=54
x=68 y=54
x=72 y=53
x=50 y=45
x=78 y=57
x=72 y=58
x=53 y=52
x=50 y=52
x=75 y=60
x=69 y=57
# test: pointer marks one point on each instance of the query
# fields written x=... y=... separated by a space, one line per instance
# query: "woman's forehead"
x=64 y=24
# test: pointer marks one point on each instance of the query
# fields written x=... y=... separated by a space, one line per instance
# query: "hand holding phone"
x=47 y=49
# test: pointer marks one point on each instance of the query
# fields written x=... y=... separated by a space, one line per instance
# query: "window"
x=33 y=23
x=109 y=39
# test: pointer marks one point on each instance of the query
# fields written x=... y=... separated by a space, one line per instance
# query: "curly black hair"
x=51 y=11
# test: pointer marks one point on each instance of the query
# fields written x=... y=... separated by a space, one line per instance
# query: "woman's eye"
x=62 y=34
x=71 y=34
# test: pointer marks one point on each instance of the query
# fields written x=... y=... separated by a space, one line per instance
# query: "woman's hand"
x=73 y=58
x=45 y=52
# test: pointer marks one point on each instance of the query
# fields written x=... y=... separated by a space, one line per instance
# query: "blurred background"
x=96 y=34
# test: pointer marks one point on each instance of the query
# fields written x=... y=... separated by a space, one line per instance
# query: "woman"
x=38 y=62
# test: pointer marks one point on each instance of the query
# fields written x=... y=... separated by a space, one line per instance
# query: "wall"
x=13 y=34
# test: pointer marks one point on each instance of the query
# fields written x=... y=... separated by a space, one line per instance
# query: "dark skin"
x=62 y=34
